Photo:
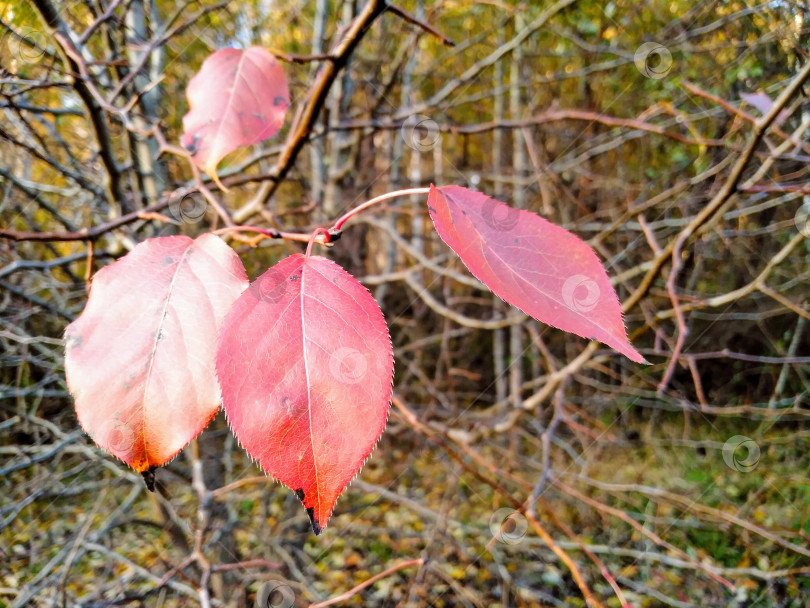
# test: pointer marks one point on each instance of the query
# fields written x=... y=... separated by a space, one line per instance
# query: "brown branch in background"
x=728 y=189
x=691 y=180
x=412 y=420
x=744 y=115
x=682 y=329
x=642 y=530
x=541 y=118
x=94 y=232
x=289 y=58
x=401 y=12
x=365 y=584
x=91 y=249
x=108 y=14
x=83 y=86
x=308 y=113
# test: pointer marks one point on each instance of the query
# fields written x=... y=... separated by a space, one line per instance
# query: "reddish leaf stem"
x=383 y=197
x=322 y=235
x=314 y=236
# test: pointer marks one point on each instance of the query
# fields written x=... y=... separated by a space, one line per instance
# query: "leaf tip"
x=212 y=173
x=316 y=526
x=149 y=478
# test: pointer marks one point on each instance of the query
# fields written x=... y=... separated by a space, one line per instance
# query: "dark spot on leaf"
x=279 y=101
x=517 y=240
x=149 y=477
x=432 y=209
x=161 y=335
x=300 y=494
x=167 y=261
x=193 y=146
x=295 y=277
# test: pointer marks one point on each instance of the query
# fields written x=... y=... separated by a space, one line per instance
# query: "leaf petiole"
x=383 y=197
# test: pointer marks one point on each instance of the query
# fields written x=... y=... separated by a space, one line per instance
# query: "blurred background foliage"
x=682 y=483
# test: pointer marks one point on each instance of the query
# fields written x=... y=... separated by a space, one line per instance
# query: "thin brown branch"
x=398 y=10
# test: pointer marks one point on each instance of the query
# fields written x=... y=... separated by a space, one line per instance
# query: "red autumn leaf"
x=546 y=271
x=238 y=98
x=140 y=358
x=305 y=364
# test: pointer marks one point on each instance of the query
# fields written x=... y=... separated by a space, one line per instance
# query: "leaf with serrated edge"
x=238 y=98
x=306 y=364
x=544 y=270
x=140 y=359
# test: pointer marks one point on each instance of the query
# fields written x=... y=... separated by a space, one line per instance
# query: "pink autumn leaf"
x=544 y=270
x=238 y=98
x=763 y=103
x=140 y=358
x=305 y=364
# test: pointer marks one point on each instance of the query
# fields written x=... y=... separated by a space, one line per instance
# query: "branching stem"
x=383 y=197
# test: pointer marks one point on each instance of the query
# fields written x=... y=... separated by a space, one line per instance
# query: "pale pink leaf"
x=238 y=98
x=759 y=100
x=140 y=358
x=763 y=103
